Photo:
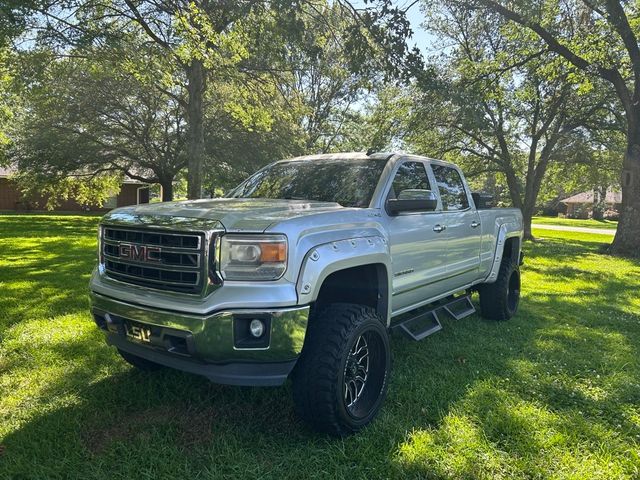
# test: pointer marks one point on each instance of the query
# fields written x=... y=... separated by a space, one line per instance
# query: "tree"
x=235 y=150
x=198 y=40
x=502 y=104
x=14 y=15
x=381 y=123
x=208 y=39
x=9 y=101
x=201 y=38
x=87 y=120
x=599 y=38
x=592 y=162
x=322 y=84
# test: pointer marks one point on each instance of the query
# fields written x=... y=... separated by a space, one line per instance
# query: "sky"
x=420 y=37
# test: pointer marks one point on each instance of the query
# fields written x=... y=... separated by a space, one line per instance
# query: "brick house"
x=132 y=192
x=581 y=205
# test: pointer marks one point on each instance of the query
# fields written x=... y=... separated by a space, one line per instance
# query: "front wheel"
x=341 y=377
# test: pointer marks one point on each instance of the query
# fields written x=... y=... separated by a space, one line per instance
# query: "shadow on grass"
x=563 y=250
x=553 y=390
x=125 y=420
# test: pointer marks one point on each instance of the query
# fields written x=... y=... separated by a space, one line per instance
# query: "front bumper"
x=211 y=345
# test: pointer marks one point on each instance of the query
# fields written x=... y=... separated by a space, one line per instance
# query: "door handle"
x=439 y=228
x=475 y=224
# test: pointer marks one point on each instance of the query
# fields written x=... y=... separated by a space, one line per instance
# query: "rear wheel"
x=341 y=378
x=500 y=300
x=139 y=362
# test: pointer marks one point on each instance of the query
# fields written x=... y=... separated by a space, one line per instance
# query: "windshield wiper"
x=291 y=197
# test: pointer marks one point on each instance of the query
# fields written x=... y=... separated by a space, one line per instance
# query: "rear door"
x=463 y=231
x=418 y=246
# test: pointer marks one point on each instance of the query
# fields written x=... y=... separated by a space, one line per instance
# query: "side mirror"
x=412 y=201
x=483 y=200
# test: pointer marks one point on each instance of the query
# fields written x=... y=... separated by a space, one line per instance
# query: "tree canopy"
x=502 y=105
x=599 y=39
x=534 y=99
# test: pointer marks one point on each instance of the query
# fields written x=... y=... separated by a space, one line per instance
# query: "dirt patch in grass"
x=190 y=426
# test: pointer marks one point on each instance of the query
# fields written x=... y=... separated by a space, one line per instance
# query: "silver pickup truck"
x=302 y=271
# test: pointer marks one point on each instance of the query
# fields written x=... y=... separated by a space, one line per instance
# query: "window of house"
x=451 y=187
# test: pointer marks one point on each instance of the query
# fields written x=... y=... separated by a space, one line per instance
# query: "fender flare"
x=507 y=231
x=325 y=259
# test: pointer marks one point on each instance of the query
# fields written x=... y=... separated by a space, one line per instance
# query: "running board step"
x=421 y=326
x=427 y=322
x=460 y=308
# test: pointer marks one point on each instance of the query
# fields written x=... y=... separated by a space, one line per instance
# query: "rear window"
x=451 y=187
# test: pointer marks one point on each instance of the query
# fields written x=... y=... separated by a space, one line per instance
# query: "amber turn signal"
x=273 y=252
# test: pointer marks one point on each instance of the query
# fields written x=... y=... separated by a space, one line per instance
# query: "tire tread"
x=493 y=299
x=316 y=375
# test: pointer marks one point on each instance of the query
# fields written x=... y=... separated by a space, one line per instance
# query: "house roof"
x=587 y=197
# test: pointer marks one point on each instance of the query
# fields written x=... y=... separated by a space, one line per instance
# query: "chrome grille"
x=162 y=260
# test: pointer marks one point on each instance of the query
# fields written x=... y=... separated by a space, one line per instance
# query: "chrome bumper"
x=216 y=345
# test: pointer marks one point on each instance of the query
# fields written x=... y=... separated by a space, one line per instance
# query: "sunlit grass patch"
x=553 y=393
x=571 y=222
x=494 y=433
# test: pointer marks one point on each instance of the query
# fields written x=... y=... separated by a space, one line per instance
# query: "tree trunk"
x=514 y=187
x=167 y=189
x=599 y=203
x=195 y=129
x=527 y=217
x=627 y=239
x=526 y=205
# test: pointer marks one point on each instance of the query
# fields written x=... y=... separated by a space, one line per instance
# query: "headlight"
x=253 y=257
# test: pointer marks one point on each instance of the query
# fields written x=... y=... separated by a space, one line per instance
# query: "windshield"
x=345 y=181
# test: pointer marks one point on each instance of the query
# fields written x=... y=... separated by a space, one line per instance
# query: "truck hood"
x=235 y=214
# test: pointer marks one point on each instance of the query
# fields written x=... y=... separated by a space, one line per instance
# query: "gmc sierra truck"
x=302 y=271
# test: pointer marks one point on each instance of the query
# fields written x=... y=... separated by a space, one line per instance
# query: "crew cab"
x=301 y=272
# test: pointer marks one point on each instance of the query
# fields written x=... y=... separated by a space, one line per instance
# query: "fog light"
x=256 y=327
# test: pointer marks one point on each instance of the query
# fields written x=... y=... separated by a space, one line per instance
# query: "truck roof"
x=360 y=156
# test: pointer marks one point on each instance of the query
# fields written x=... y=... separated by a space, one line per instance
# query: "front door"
x=417 y=241
x=463 y=233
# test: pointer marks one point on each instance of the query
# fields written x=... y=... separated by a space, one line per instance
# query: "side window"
x=454 y=196
x=410 y=175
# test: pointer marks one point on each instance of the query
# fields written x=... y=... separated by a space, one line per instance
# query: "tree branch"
x=610 y=74
x=145 y=25
x=620 y=22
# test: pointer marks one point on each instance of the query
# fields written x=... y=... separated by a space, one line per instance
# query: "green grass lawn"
x=553 y=393
x=571 y=222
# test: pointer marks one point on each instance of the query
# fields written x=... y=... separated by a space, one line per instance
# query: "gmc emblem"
x=139 y=253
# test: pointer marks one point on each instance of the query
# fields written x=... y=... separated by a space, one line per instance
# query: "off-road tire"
x=500 y=300
x=140 y=363
x=322 y=385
